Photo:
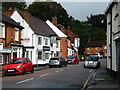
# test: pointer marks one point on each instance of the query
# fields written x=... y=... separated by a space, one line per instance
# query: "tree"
x=47 y=10
x=6 y=5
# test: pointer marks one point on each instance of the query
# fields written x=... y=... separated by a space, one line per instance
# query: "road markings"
x=60 y=70
x=24 y=81
x=91 y=70
x=45 y=74
x=88 y=80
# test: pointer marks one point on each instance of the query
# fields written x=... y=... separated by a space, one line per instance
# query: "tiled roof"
x=38 y=26
x=96 y=43
x=71 y=36
x=7 y=20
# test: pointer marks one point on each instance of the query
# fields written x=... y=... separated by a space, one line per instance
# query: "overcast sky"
x=80 y=10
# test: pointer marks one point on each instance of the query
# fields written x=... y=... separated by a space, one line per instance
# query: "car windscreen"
x=16 y=61
x=92 y=59
x=70 y=57
x=54 y=59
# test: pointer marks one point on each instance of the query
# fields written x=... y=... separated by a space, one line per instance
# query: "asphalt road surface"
x=70 y=77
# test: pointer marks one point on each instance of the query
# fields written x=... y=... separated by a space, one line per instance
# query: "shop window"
x=46 y=55
x=27 y=54
x=39 y=55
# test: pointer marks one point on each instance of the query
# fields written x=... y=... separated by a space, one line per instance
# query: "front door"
x=118 y=53
x=14 y=55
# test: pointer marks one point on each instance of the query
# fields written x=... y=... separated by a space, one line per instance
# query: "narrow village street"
x=72 y=76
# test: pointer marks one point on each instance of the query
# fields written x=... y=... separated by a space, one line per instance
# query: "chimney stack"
x=9 y=11
x=89 y=39
x=54 y=20
x=26 y=14
x=69 y=32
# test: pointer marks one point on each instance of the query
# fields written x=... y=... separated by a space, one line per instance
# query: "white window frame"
x=40 y=41
x=57 y=44
x=41 y=55
x=97 y=48
x=3 y=30
x=16 y=33
x=2 y=59
x=88 y=48
x=46 y=41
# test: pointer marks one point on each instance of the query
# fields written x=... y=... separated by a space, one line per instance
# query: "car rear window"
x=70 y=57
x=54 y=59
x=92 y=59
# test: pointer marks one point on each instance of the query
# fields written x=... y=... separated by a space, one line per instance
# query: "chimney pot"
x=25 y=8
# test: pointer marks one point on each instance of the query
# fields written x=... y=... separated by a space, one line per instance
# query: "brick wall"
x=63 y=46
x=93 y=50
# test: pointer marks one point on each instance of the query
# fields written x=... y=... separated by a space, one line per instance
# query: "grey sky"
x=80 y=10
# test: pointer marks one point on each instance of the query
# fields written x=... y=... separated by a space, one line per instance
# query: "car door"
x=29 y=64
x=25 y=65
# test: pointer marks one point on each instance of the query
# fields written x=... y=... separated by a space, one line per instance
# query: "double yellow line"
x=88 y=80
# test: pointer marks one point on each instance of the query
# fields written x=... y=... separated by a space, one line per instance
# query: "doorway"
x=14 y=55
x=118 y=53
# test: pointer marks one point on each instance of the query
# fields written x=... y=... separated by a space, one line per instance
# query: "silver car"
x=57 y=61
x=92 y=62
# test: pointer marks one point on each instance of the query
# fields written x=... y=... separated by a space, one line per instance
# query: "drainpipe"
x=111 y=41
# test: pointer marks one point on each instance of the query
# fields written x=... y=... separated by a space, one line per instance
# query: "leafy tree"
x=6 y=5
x=47 y=10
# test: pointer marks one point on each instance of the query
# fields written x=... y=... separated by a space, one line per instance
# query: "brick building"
x=95 y=47
x=10 y=39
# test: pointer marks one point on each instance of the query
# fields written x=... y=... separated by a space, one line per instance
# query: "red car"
x=72 y=60
x=19 y=66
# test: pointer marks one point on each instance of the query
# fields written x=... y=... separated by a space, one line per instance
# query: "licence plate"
x=11 y=70
x=69 y=61
x=90 y=62
x=54 y=61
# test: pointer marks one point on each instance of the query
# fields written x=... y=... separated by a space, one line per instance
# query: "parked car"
x=92 y=62
x=72 y=60
x=82 y=58
x=97 y=55
x=19 y=66
x=57 y=61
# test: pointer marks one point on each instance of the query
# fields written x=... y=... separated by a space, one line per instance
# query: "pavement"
x=102 y=80
x=35 y=69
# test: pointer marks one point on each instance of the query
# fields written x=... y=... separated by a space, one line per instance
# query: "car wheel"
x=84 y=66
x=50 y=66
x=65 y=65
x=23 y=71
x=77 y=62
x=32 y=70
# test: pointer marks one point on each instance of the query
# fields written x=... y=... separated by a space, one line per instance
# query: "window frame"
x=3 y=30
x=39 y=40
x=16 y=33
x=41 y=55
x=1 y=59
